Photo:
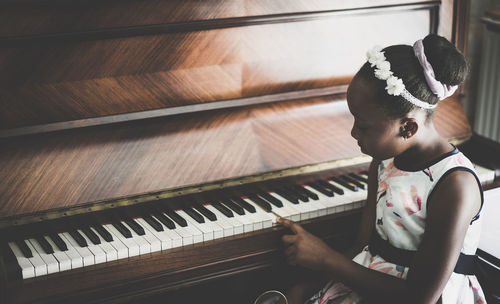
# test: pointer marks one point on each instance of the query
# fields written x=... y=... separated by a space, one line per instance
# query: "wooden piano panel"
x=28 y=17
x=66 y=77
x=86 y=166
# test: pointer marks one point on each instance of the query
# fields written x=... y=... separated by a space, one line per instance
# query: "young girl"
x=420 y=225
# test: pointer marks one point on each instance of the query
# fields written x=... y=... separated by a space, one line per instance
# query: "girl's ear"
x=408 y=128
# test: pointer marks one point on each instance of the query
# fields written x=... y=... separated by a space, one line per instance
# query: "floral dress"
x=401 y=214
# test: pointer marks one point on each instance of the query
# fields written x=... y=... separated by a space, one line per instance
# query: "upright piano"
x=146 y=147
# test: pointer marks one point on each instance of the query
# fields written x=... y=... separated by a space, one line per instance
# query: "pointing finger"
x=289 y=224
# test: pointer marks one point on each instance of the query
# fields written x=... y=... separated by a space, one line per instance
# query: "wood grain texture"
x=27 y=17
x=74 y=167
x=47 y=83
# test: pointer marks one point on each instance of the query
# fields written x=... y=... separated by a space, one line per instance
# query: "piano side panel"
x=49 y=80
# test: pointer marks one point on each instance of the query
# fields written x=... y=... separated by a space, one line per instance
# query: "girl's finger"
x=289 y=239
x=289 y=224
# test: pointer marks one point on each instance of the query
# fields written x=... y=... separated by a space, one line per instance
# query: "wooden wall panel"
x=70 y=80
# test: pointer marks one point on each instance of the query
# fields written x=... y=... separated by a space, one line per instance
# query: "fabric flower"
x=384 y=65
x=375 y=55
x=383 y=74
x=394 y=86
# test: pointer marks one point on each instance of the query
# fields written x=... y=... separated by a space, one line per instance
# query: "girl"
x=420 y=224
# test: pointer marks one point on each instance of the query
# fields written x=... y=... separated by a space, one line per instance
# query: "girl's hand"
x=303 y=248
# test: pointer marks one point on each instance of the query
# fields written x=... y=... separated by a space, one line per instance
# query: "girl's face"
x=378 y=135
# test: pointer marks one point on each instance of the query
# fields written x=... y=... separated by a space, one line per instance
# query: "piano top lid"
x=75 y=171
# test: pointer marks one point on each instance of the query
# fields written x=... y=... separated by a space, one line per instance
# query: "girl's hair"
x=449 y=67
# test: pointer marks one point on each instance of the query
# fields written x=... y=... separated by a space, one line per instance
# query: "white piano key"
x=72 y=253
x=227 y=228
x=132 y=246
x=306 y=210
x=250 y=221
x=166 y=241
x=110 y=252
x=144 y=245
x=331 y=203
x=117 y=251
x=237 y=226
x=266 y=219
x=62 y=258
x=183 y=232
x=153 y=241
x=208 y=233
x=27 y=269
x=318 y=206
x=48 y=259
x=99 y=254
x=287 y=211
x=84 y=252
x=176 y=239
x=349 y=196
x=193 y=231
x=36 y=261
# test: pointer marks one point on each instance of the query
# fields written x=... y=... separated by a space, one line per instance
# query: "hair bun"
x=448 y=63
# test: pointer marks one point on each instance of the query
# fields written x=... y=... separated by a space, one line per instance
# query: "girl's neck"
x=429 y=145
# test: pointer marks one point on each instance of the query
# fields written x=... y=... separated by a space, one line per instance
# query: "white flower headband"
x=395 y=85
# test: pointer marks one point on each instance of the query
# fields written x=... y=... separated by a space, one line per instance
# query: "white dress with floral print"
x=401 y=214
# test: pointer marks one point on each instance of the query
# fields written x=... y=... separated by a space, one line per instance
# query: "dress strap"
x=466 y=264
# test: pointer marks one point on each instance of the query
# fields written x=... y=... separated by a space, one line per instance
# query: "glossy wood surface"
x=28 y=17
x=45 y=79
x=75 y=167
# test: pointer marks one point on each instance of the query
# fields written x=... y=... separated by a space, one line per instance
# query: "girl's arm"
x=449 y=213
x=369 y=213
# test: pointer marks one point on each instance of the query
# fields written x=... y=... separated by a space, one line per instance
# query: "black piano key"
x=233 y=206
x=195 y=215
x=349 y=186
x=306 y=191
x=134 y=226
x=262 y=203
x=121 y=228
x=297 y=194
x=152 y=222
x=353 y=181
x=244 y=204
x=223 y=209
x=24 y=248
x=325 y=191
x=359 y=177
x=207 y=213
x=176 y=217
x=91 y=235
x=273 y=200
x=58 y=241
x=164 y=220
x=47 y=248
x=364 y=172
x=287 y=196
x=80 y=240
x=103 y=232
x=330 y=186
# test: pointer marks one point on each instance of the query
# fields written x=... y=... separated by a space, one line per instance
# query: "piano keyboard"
x=162 y=228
